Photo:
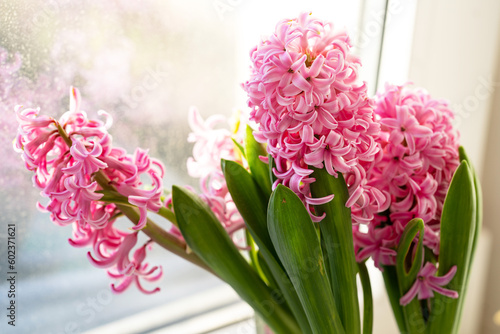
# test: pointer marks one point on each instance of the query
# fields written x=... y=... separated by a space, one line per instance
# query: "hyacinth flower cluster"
x=312 y=111
x=74 y=164
x=420 y=155
x=213 y=141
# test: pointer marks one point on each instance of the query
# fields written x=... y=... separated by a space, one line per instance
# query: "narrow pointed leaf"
x=338 y=250
x=479 y=199
x=207 y=238
x=253 y=253
x=414 y=319
x=272 y=164
x=249 y=199
x=298 y=248
x=367 y=299
x=412 y=229
x=393 y=292
x=282 y=281
x=271 y=281
x=252 y=206
x=479 y=217
x=240 y=147
x=458 y=224
x=259 y=169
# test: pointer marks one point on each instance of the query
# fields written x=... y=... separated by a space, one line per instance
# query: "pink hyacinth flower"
x=378 y=243
x=426 y=283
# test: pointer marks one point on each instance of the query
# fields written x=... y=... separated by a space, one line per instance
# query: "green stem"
x=367 y=299
x=114 y=197
x=64 y=135
x=117 y=198
x=152 y=230
x=168 y=215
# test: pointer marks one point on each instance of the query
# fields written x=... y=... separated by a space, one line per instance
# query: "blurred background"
x=146 y=62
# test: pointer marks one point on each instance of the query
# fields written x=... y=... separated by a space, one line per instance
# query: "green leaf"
x=266 y=271
x=252 y=206
x=414 y=320
x=458 y=227
x=248 y=198
x=240 y=148
x=207 y=238
x=282 y=281
x=393 y=292
x=338 y=250
x=479 y=200
x=272 y=164
x=298 y=248
x=367 y=299
x=259 y=169
x=479 y=218
x=407 y=275
x=253 y=253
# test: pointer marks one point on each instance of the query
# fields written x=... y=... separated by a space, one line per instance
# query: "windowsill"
x=209 y=311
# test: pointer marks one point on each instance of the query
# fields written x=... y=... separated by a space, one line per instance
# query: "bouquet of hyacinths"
x=292 y=205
